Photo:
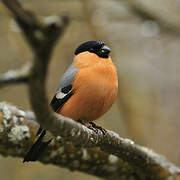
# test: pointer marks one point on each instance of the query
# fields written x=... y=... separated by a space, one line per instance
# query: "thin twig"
x=141 y=11
x=15 y=76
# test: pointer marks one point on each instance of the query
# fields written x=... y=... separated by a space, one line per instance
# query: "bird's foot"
x=96 y=127
x=93 y=126
x=88 y=125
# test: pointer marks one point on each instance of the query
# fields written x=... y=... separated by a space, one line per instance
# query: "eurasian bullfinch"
x=86 y=91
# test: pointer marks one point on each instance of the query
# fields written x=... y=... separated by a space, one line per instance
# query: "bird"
x=86 y=91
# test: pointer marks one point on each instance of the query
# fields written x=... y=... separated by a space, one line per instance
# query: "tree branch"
x=16 y=76
x=42 y=37
x=139 y=10
x=18 y=131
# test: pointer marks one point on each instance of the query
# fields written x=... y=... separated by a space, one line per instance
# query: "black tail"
x=39 y=131
x=37 y=148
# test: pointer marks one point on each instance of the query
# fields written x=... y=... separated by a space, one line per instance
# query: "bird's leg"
x=98 y=127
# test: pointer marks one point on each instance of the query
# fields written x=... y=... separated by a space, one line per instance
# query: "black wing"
x=61 y=97
x=64 y=91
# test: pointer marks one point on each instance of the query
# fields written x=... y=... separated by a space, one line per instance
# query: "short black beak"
x=105 y=50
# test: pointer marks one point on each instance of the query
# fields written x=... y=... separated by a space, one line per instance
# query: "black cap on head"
x=96 y=47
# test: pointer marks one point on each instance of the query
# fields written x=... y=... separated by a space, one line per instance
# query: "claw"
x=98 y=127
x=93 y=126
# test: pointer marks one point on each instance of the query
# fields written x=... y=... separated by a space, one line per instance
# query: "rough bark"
x=17 y=133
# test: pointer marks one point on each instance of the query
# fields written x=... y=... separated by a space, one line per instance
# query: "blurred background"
x=145 y=40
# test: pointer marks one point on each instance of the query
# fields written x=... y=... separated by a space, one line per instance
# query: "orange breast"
x=95 y=90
